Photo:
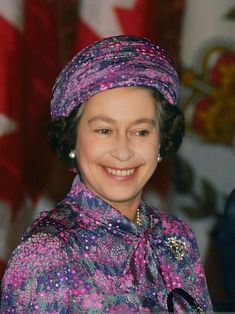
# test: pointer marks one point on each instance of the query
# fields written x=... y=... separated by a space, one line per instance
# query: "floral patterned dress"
x=86 y=257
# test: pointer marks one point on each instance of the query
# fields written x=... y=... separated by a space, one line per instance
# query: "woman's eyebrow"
x=113 y=121
x=102 y=118
x=144 y=120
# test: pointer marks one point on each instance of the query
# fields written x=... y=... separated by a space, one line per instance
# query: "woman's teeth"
x=120 y=173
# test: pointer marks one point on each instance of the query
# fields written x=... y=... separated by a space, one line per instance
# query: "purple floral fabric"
x=86 y=257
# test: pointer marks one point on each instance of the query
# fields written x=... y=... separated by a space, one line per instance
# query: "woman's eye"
x=142 y=132
x=103 y=131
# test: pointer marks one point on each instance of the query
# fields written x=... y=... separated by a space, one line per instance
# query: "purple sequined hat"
x=116 y=61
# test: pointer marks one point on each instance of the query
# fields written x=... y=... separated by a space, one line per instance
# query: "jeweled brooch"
x=178 y=247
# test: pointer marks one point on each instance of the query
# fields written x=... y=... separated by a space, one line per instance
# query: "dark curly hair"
x=172 y=125
x=62 y=132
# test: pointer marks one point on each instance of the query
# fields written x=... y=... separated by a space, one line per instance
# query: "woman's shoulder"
x=57 y=222
x=38 y=262
x=44 y=242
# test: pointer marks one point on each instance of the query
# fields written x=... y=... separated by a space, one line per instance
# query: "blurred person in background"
x=103 y=248
x=226 y=241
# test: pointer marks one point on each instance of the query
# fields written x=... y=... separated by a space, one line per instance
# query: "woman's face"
x=117 y=144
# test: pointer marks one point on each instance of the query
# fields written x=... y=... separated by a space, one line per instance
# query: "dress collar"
x=85 y=202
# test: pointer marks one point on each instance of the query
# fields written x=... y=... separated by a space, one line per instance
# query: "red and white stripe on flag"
x=11 y=102
x=99 y=19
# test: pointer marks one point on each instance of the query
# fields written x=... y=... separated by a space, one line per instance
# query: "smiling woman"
x=103 y=249
x=121 y=126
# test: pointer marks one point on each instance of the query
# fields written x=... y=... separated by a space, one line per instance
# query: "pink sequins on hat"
x=116 y=61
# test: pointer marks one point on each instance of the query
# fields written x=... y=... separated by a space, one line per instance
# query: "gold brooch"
x=177 y=246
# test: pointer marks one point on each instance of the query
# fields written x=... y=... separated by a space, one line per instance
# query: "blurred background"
x=38 y=37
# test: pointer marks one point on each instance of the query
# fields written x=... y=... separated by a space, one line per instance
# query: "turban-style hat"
x=116 y=61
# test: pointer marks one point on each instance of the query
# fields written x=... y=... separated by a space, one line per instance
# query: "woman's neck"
x=128 y=209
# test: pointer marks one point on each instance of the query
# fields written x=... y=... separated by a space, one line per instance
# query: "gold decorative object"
x=177 y=246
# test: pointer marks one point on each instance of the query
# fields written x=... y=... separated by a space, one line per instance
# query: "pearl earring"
x=159 y=158
x=72 y=154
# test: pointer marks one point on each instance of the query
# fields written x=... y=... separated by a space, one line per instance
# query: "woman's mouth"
x=121 y=172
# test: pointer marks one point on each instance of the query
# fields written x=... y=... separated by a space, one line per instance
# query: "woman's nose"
x=122 y=149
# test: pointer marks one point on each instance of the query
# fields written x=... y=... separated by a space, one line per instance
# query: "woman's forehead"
x=131 y=101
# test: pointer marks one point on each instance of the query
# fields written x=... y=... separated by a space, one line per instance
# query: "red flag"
x=11 y=103
x=41 y=68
